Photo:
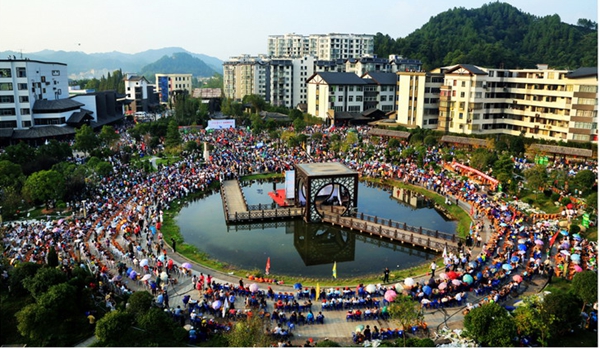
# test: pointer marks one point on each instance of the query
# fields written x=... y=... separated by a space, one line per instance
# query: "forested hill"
x=178 y=63
x=496 y=35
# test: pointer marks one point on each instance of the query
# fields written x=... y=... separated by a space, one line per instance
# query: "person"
x=174 y=244
x=367 y=333
x=386 y=275
x=320 y=318
x=92 y=319
x=433 y=267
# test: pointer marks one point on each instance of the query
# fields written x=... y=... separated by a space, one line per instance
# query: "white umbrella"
x=146 y=277
x=164 y=276
x=144 y=262
x=253 y=287
x=409 y=282
x=399 y=287
x=370 y=288
x=216 y=305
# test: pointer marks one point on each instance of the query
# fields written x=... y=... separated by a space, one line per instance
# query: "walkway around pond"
x=236 y=208
x=396 y=231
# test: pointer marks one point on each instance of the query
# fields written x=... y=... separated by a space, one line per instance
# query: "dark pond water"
x=300 y=249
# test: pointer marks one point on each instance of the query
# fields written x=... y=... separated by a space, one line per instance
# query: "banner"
x=220 y=124
x=290 y=177
x=268 y=265
x=585 y=220
x=335 y=269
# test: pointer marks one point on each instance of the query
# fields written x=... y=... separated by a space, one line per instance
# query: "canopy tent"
x=486 y=179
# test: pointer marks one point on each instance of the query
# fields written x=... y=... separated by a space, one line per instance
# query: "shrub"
x=574 y=229
x=555 y=197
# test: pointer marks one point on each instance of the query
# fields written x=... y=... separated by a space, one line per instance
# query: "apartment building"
x=23 y=82
x=168 y=85
x=417 y=96
x=539 y=103
x=246 y=75
x=324 y=46
x=380 y=91
x=139 y=92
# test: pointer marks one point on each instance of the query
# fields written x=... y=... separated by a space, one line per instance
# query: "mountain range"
x=83 y=65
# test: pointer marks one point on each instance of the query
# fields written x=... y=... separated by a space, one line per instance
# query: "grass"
x=541 y=201
x=167 y=161
x=171 y=230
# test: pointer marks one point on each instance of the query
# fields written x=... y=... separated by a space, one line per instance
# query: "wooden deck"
x=236 y=208
x=396 y=231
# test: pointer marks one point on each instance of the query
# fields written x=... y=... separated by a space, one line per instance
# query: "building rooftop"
x=57 y=105
x=583 y=72
x=339 y=78
x=325 y=169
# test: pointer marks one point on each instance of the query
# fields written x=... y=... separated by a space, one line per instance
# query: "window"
x=454 y=82
x=8 y=124
x=588 y=88
x=25 y=111
x=583 y=125
x=491 y=74
x=350 y=98
x=6 y=86
x=21 y=72
x=463 y=84
x=350 y=88
x=5 y=72
x=462 y=94
x=475 y=116
x=384 y=88
x=341 y=98
x=47 y=121
x=6 y=99
x=383 y=98
x=427 y=89
x=582 y=137
x=25 y=124
x=354 y=108
x=7 y=112
x=454 y=93
x=22 y=86
x=359 y=98
x=477 y=94
x=359 y=88
x=588 y=101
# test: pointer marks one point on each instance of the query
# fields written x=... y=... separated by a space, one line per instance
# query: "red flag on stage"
x=268 y=265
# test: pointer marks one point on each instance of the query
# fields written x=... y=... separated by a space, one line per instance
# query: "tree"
x=250 y=332
x=104 y=169
x=490 y=325
x=257 y=102
x=564 y=308
x=482 y=159
x=11 y=175
x=583 y=181
x=19 y=154
x=532 y=320
x=139 y=303
x=406 y=311
x=173 y=137
x=160 y=329
x=19 y=274
x=585 y=286
x=43 y=280
x=85 y=139
x=537 y=178
x=108 y=136
x=44 y=186
x=115 y=328
x=52 y=257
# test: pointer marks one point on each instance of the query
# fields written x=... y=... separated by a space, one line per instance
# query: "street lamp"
x=84 y=210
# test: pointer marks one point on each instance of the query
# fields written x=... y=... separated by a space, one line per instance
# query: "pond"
x=296 y=248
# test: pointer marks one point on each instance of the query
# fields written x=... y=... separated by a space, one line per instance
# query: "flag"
x=268 y=265
x=445 y=253
x=335 y=269
x=472 y=210
x=318 y=292
x=225 y=307
x=553 y=240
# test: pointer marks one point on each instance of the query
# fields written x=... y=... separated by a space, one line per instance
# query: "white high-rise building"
x=323 y=46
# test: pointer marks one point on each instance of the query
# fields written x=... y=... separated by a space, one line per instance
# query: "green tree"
x=564 y=308
x=537 y=178
x=19 y=274
x=407 y=311
x=481 y=159
x=583 y=181
x=160 y=329
x=44 y=186
x=490 y=325
x=19 y=154
x=85 y=139
x=43 y=280
x=585 y=286
x=52 y=257
x=139 y=303
x=104 y=169
x=250 y=332
x=532 y=320
x=173 y=137
x=114 y=329
x=108 y=136
x=257 y=102
x=11 y=175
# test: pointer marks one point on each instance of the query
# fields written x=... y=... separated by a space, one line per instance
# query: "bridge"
x=237 y=210
x=395 y=231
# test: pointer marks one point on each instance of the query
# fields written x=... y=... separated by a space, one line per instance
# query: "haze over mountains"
x=82 y=65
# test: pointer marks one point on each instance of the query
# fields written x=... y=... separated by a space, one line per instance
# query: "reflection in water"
x=317 y=246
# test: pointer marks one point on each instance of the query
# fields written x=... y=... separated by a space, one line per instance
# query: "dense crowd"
x=117 y=231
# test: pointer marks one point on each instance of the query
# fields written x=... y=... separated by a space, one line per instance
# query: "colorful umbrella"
x=216 y=305
x=467 y=278
x=444 y=276
x=507 y=266
x=452 y=275
x=522 y=247
x=146 y=277
x=133 y=275
x=427 y=290
x=186 y=265
x=514 y=259
x=564 y=232
x=144 y=262
x=575 y=257
x=565 y=252
x=399 y=287
x=164 y=276
x=253 y=287
x=390 y=295
x=577 y=268
x=456 y=282
x=577 y=236
x=409 y=282
x=443 y=285
x=517 y=278
x=539 y=242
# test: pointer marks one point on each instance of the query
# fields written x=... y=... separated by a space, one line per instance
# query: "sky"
x=226 y=28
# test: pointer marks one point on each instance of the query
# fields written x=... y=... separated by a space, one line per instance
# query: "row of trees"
x=112 y=82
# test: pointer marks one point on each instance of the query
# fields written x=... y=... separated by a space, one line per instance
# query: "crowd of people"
x=116 y=231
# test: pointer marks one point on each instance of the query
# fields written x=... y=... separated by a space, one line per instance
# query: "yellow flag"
x=335 y=270
x=318 y=292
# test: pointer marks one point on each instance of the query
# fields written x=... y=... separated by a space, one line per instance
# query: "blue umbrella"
x=507 y=267
x=514 y=259
x=479 y=275
x=577 y=236
x=298 y=286
x=522 y=228
x=502 y=224
x=564 y=232
x=522 y=247
x=427 y=290
x=575 y=257
x=467 y=278
x=129 y=270
x=153 y=229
